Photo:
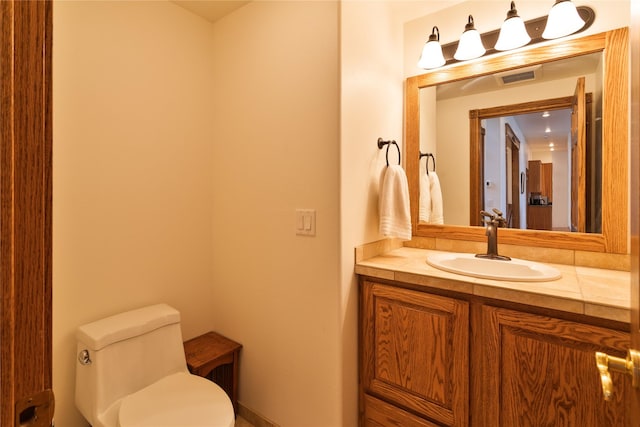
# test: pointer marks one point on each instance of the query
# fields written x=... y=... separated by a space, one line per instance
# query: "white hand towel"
x=424 y=208
x=436 y=199
x=395 y=216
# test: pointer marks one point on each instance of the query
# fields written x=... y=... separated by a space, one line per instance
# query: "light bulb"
x=563 y=20
x=513 y=33
x=470 y=45
x=432 y=52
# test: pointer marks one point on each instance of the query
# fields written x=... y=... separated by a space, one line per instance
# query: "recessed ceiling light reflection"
x=546 y=114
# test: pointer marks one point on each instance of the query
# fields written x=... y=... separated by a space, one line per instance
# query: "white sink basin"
x=517 y=270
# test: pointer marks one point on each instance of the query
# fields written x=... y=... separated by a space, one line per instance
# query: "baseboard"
x=257 y=420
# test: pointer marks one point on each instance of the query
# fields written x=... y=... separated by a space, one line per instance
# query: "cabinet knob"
x=607 y=364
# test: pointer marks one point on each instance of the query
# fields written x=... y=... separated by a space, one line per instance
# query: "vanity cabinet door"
x=415 y=350
x=540 y=371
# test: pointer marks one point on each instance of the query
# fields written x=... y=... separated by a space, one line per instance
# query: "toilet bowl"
x=131 y=372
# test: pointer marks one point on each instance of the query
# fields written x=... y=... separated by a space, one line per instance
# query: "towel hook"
x=429 y=156
x=382 y=143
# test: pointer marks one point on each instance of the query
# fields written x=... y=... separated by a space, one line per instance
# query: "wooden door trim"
x=512 y=142
x=633 y=400
x=26 y=202
x=578 y=153
x=475 y=122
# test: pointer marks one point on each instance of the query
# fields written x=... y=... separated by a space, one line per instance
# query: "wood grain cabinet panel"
x=539 y=217
x=415 y=352
x=534 y=176
x=378 y=413
x=428 y=360
x=540 y=371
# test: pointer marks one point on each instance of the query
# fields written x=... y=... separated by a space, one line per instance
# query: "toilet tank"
x=126 y=352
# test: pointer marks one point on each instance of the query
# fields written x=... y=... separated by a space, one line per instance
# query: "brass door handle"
x=607 y=364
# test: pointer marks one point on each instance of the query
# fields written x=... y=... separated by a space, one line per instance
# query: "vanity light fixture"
x=470 y=45
x=563 y=20
x=473 y=45
x=513 y=33
x=432 y=52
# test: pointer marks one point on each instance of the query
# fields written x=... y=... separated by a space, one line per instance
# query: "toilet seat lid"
x=181 y=400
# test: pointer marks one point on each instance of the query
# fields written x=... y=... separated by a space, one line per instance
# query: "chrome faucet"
x=493 y=222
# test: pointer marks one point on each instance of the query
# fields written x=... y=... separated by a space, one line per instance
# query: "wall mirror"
x=590 y=197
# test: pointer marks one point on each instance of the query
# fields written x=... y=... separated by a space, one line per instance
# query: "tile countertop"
x=582 y=290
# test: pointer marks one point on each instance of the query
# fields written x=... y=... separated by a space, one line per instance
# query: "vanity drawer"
x=379 y=413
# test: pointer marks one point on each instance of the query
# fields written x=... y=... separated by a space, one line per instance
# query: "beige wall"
x=133 y=161
x=180 y=159
x=371 y=107
x=276 y=148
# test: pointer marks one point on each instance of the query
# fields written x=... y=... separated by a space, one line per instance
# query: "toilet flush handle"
x=84 y=358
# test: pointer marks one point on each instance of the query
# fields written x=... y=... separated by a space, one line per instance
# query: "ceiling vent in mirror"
x=519 y=75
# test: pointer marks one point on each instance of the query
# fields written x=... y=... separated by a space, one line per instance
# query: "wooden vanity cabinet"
x=540 y=371
x=435 y=360
x=415 y=353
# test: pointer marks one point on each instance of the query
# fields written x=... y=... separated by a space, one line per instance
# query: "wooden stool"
x=215 y=357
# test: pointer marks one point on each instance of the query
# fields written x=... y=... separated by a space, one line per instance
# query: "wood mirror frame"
x=615 y=137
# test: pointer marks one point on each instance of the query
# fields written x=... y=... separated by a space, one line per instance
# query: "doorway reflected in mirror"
x=532 y=123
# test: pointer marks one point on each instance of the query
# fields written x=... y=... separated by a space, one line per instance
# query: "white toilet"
x=131 y=372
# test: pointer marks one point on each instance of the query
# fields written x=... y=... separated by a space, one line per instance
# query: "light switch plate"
x=306 y=222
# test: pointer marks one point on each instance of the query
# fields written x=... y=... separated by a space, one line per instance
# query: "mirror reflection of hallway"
x=561 y=191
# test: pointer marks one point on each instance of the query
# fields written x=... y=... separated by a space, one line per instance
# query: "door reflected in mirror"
x=539 y=130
